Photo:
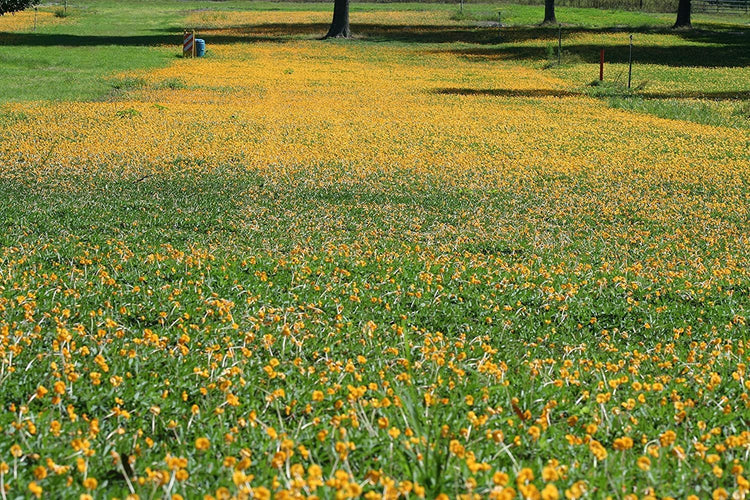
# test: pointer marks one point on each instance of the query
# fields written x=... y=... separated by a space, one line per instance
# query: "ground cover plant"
x=427 y=261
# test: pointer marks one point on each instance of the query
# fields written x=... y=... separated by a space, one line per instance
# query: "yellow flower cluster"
x=25 y=20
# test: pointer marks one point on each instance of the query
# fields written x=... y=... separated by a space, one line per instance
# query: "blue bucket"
x=200 y=47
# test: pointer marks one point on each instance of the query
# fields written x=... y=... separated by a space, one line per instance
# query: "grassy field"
x=426 y=261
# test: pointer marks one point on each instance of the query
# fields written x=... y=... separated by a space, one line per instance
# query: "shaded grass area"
x=235 y=212
x=233 y=208
x=698 y=48
x=642 y=96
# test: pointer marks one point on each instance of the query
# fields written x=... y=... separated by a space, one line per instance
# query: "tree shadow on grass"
x=716 y=48
x=539 y=93
x=665 y=55
x=530 y=93
x=268 y=32
x=156 y=40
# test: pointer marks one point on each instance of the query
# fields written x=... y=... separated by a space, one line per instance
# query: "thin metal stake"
x=630 y=60
x=559 y=44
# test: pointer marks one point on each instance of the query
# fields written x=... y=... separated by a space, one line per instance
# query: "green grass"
x=734 y=114
x=145 y=221
x=721 y=109
x=74 y=60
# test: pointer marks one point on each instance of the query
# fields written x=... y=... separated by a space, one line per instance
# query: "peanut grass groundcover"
x=383 y=267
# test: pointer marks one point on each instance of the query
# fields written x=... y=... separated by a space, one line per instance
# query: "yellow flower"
x=623 y=443
x=667 y=438
x=644 y=463
x=597 y=449
x=90 y=483
x=35 y=489
x=549 y=473
x=720 y=494
x=550 y=492
x=524 y=476
x=500 y=478
x=40 y=472
x=202 y=444
x=534 y=432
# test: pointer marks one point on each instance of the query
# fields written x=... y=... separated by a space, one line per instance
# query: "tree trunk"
x=549 y=12
x=683 y=15
x=340 y=24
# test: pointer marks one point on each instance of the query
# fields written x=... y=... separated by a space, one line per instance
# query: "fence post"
x=630 y=60
x=601 y=65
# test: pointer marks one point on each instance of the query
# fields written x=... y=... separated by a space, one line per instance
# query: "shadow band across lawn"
x=538 y=93
x=269 y=32
x=666 y=55
x=720 y=48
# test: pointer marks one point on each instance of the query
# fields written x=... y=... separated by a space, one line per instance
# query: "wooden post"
x=559 y=44
x=601 y=65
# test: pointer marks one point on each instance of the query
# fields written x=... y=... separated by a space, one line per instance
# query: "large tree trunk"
x=683 y=15
x=340 y=24
x=549 y=12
